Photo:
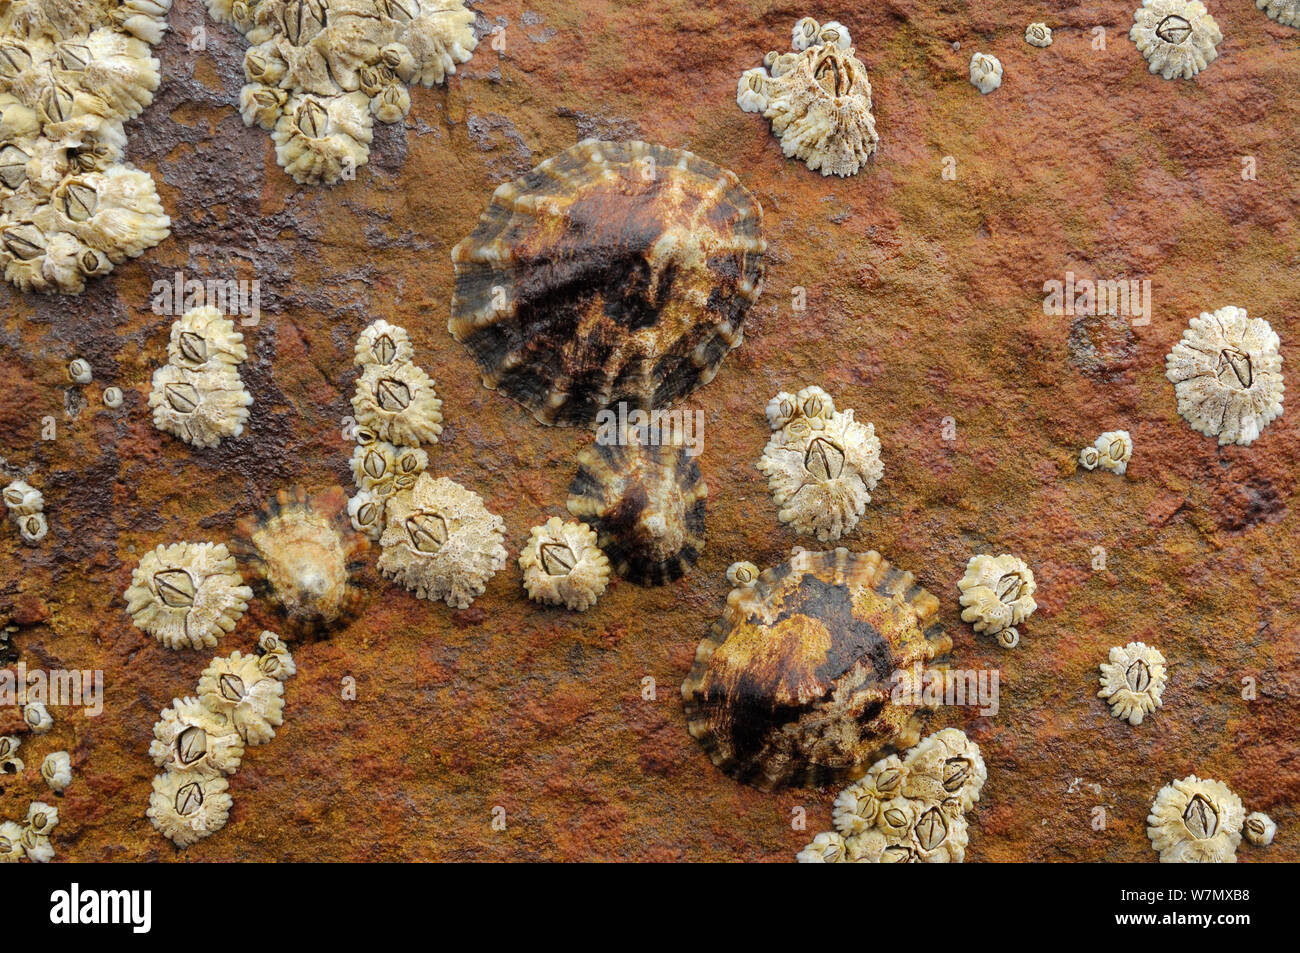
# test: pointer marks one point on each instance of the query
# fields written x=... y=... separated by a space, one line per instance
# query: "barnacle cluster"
x=997 y=594
x=985 y=72
x=1194 y=821
x=1227 y=375
x=320 y=71
x=198 y=395
x=818 y=99
x=1177 y=37
x=1038 y=34
x=200 y=741
x=187 y=595
x=441 y=542
x=821 y=464
x=30 y=839
x=72 y=72
x=1133 y=681
x=396 y=410
x=1111 y=451
x=26 y=507
x=563 y=565
x=1286 y=12
x=907 y=810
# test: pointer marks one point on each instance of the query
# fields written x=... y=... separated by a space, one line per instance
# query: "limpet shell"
x=613 y=273
x=1195 y=821
x=562 y=565
x=794 y=684
x=187 y=595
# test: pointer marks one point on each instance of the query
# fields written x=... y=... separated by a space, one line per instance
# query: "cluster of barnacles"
x=1110 y=451
x=320 y=71
x=72 y=72
x=907 y=810
x=821 y=465
x=817 y=97
x=32 y=839
x=26 y=506
x=997 y=595
x=198 y=395
x=199 y=741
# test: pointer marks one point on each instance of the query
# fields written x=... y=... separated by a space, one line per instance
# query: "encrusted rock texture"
x=924 y=302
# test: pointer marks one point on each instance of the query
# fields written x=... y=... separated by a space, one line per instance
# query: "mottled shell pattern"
x=320 y=71
x=796 y=683
x=198 y=395
x=441 y=542
x=71 y=74
x=910 y=809
x=985 y=72
x=817 y=98
x=1177 y=37
x=1196 y=822
x=301 y=552
x=1227 y=375
x=646 y=503
x=821 y=464
x=997 y=594
x=1133 y=681
x=613 y=273
x=187 y=595
x=562 y=565
x=1286 y=12
x=1110 y=451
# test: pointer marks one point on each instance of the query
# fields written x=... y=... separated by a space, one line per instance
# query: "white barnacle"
x=1260 y=829
x=37 y=846
x=562 y=565
x=56 y=769
x=1196 y=821
x=805 y=34
x=249 y=699
x=42 y=818
x=33 y=528
x=274 y=657
x=200 y=407
x=186 y=807
x=1110 y=451
x=1177 y=37
x=742 y=574
x=441 y=542
x=204 y=337
x=751 y=90
x=187 y=595
x=1133 y=681
x=835 y=34
x=323 y=138
x=997 y=594
x=826 y=848
x=1227 y=375
x=1038 y=34
x=190 y=737
x=366 y=513
x=985 y=72
x=9 y=745
x=947 y=764
x=116 y=212
x=399 y=403
x=37 y=718
x=22 y=499
x=11 y=842
x=383 y=344
x=1286 y=12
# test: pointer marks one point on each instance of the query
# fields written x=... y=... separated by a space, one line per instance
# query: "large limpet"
x=614 y=272
x=795 y=683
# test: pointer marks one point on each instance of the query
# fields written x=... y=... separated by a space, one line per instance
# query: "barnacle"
x=191 y=738
x=301 y=553
x=200 y=407
x=399 y=403
x=563 y=566
x=384 y=344
x=1038 y=34
x=366 y=513
x=42 y=818
x=1195 y=821
x=646 y=503
x=997 y=594
x=186 y=807
x=33 y=528
x=826 y=848
x=37 y=718
x=11 y=842
x=56 y=769
x=23 y=499
x=796 y=683
x=1286 y=12
x=821 y=465
x=204 y=337
x=1259 y=829
x=819 y=104
x=805 y=34
x=742 y=574
x=615 y=273
x=1110 y=451
x=1177 y=37
x=1227 y=375
x=858 y=805
x=116 y=211
x=250 y=700
x=323 y=139
x=1133 y=681
x=441 y=542
x=274 y=658
x=187 y=595
x=985 y=72
x=9 y=745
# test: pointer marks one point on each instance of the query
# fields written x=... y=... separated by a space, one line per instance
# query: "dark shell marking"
x=793 y=684
x=646 y=505
x=612 y=272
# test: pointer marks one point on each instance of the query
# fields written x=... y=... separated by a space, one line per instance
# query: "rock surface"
x=924 y=302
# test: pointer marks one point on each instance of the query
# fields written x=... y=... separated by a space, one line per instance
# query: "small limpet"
x=1195 y=821
x=1227 y=375
x=187 y=595
x=1260 y=829
x=383 y=344
x=441 y=542
x=1177 y=37
x=1038 y=34
x=37 y=718
x=190 y=737
x=200 y=407
x=985 y=72
x=1133 y=681
x=997 y=594
x=56 y=769
x=187 y=807
x=399 y=403
x=562 y=565
x=250 y=700
x=203 y=337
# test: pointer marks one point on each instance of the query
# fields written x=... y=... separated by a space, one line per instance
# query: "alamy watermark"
x=232 y=297
x=655 y=428
x=71 y=688
x=936 y=687
x=1118 y=297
